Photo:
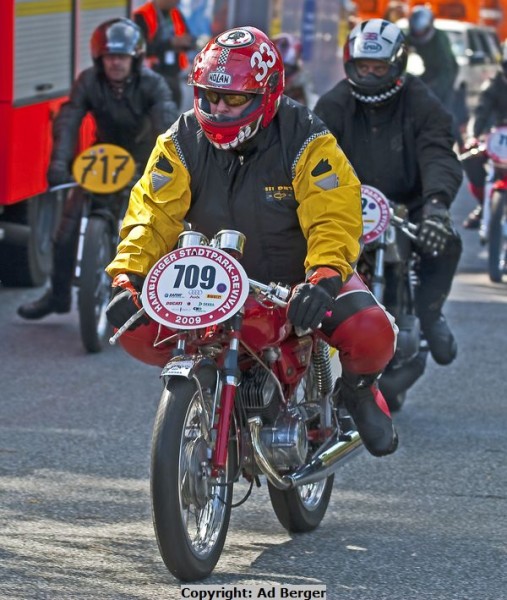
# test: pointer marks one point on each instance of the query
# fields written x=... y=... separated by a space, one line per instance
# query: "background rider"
x=131 y=105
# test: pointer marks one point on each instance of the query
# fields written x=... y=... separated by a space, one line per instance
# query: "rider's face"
x=117 y=67
x=367 y=66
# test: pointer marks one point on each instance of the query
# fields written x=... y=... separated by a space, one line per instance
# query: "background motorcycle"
x=492 y=155
x=387 y=266
x=104 y=172
x=244 y=396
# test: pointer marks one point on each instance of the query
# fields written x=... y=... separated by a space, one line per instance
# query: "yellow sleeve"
x=158 y=204
x=329 y=196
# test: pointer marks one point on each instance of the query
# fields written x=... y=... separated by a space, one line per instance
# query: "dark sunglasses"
x=229 y=99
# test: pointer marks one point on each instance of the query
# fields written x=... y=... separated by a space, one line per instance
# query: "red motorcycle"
x=492 y=155
x=244 y=396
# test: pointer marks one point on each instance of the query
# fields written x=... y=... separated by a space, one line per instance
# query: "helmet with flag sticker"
x=375 y=39
x=241 y=61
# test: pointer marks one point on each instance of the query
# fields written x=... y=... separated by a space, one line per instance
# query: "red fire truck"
x=44 y=44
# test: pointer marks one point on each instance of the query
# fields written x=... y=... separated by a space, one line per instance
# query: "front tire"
x=95 y=284
x=191 y=508
x=497 y=247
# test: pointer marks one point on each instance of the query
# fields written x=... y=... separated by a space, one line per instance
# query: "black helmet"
x=117 y=36
x=420 y=25
x=381 y=40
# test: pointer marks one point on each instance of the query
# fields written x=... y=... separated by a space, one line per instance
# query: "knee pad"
x=366 y=340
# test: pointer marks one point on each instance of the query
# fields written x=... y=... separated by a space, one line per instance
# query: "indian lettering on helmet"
x=372 y=47
x=237 y=38
x=263 y=59
x=219 y=78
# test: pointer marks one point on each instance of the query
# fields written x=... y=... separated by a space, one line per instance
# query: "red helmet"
x=240 y=60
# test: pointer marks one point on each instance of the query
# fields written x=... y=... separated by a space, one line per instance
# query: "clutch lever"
x=114 y=338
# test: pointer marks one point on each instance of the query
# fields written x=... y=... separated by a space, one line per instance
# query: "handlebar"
x=480 y=149
x=63 y=186
x=114 y=338
x=408 y=228
x=274 y=292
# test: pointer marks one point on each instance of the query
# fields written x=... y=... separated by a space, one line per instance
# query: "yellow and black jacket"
x=292 y=192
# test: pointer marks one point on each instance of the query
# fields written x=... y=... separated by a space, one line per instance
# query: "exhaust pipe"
x=321 y=466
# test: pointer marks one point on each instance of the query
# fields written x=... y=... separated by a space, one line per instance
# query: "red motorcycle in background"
x=245 y=396
x=492 y=155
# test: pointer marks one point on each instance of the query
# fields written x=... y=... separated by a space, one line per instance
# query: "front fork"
x=228 y=394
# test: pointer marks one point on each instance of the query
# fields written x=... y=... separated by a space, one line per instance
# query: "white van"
x=477 y=50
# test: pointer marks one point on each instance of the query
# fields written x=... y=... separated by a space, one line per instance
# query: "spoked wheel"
x=95 y=284
x=191 y=507
x=302 y=509
x=497 y=241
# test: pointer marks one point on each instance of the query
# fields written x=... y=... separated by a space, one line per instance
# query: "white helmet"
x=381 y=40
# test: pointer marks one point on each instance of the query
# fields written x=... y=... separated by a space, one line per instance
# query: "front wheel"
x=95 y=284
x=497 y=246
x=191 y=507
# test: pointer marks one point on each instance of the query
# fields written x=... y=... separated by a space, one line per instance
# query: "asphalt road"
x=429 y=522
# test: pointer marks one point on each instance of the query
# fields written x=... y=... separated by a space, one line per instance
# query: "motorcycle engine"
x=258 y=394
x=284 y=432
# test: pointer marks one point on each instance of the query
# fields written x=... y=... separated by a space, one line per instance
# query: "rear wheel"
x=302 y=509
x=497 y=243
x=191 y=507
x=95 y=284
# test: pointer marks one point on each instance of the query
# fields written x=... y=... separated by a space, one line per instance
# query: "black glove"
x=58 y=173
x=310 y=301
x=126 y=301
x=436 y=228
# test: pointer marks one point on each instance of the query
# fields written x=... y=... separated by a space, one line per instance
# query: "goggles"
x=229 y=99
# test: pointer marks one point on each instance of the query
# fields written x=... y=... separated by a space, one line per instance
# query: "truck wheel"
x=25 y=256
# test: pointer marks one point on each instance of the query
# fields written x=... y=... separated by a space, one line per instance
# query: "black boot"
x=443 y=346
x=370 y=412
x=47 y=304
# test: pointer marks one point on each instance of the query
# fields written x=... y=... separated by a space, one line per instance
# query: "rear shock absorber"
x=322 y=364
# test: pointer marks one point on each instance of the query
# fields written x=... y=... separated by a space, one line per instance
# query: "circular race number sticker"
x=376 y=213
x=496 y=146
x=194 y=287
x=104 y=168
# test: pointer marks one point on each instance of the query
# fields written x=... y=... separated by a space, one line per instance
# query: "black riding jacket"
x=132 y=121
x=402 y=147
